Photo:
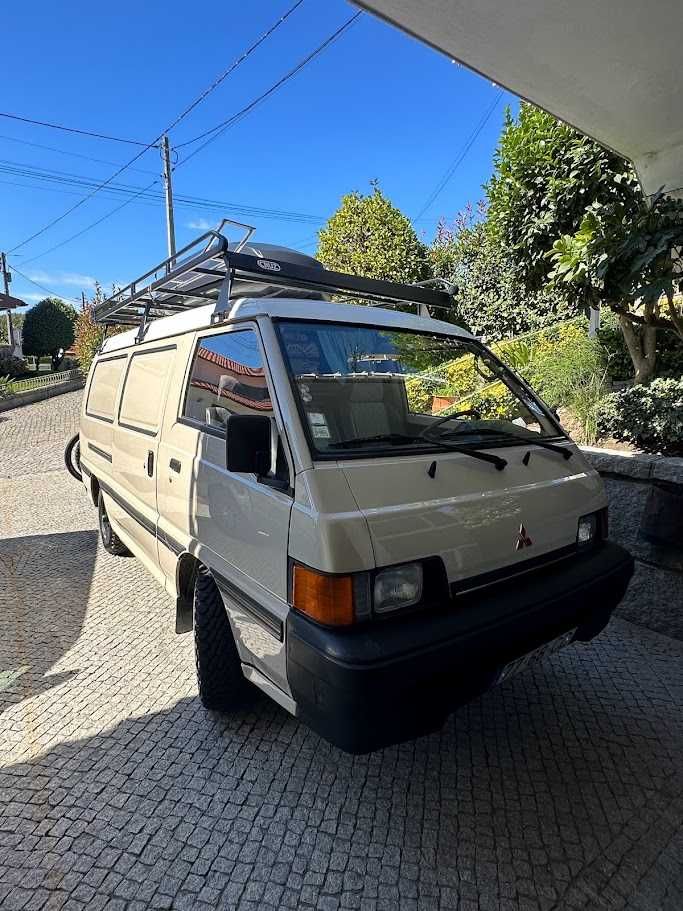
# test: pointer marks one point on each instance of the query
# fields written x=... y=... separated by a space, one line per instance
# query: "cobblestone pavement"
x=563 y=789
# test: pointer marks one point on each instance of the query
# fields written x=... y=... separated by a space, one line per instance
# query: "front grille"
x=508 y=573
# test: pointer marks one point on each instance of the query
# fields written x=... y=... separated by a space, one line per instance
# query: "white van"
x=369 y=554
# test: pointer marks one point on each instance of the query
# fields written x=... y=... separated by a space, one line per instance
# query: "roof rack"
x=204 y=272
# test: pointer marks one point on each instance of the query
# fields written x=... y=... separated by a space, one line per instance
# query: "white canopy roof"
x=611 y=68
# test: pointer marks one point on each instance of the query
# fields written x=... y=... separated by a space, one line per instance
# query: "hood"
x=470 y=514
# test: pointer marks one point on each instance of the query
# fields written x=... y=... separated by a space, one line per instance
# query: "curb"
x=38 y=395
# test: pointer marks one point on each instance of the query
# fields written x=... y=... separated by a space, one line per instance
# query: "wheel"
x=110 y=540
x=72 y=458
x=220 y=680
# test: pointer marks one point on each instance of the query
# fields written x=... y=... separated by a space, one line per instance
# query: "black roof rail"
x=204 y=272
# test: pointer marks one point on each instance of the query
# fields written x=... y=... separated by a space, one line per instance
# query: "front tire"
x=110 y=540
x=221 y=683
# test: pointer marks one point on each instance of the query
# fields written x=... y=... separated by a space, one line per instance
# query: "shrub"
x=88 y=338
x=493 y=402
x=461 y=377
x=11 y=366
x=90 y=335
x=563 y=360
x=419 y=396
x=585 y=408
x=5 y=387
x=649 y=417
x=564 y=366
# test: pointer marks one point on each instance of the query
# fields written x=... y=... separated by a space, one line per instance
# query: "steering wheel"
x=450 y=417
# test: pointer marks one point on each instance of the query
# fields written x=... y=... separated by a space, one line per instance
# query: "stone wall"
x=655 y=596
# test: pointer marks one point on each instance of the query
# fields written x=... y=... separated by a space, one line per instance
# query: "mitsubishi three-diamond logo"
x=523 y=539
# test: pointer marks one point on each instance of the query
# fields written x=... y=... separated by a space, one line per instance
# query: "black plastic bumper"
x=366 y=688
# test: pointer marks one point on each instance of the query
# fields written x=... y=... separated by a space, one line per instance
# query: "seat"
x=367 y=408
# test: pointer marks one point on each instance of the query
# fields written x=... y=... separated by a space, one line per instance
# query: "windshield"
x=366 y=390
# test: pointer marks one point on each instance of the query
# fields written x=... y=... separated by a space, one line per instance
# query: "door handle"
x=150 y=463
x=175 y=465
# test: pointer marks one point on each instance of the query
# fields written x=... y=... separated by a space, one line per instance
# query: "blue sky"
x=376 y=104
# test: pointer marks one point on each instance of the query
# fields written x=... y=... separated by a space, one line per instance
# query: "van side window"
x=227 y=378
x=142 y=402
x=103 y=388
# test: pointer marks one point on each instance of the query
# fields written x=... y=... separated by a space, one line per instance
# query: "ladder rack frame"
x=204 y=271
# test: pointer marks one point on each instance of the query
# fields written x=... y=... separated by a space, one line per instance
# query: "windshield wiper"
x=399 y=438
x=506 y=434
x=470 y=451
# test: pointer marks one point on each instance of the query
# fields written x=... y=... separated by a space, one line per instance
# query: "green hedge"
x=11 y=366
x=649 y=417
x=563 y=365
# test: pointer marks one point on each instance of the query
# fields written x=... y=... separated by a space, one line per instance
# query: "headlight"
x=398 y=587
x=587 y=531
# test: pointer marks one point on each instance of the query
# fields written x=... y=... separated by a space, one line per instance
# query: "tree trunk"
x=642 y=348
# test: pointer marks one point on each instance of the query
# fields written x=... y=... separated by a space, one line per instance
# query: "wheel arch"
x=186 y=573
x=94 y=489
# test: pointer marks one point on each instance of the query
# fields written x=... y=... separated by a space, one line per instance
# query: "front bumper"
x=393 y=680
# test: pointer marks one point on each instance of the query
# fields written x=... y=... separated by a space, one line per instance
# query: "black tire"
x=110 y=540
x=72 y=458
x=222 y=685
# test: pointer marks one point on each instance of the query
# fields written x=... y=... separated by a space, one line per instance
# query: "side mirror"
x=247 y=443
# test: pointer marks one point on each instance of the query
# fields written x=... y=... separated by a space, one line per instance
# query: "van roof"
x=292 y=308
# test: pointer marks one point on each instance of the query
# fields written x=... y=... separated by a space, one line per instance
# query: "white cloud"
x=33 y=297
x=200 y=224
x=74 y=279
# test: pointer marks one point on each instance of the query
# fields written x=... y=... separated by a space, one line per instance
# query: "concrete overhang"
x=611 y=68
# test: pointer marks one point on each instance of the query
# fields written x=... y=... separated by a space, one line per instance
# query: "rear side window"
x=227 y=377
x=142 y=402
x=103 y=388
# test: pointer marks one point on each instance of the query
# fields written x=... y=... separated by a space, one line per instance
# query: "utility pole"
x=6 y=279
x=168 y=189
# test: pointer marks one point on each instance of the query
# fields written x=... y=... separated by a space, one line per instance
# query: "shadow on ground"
x=45 y=583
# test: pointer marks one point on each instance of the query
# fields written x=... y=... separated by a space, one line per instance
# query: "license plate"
x=538 y=654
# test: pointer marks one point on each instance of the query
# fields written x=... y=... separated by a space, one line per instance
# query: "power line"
x=37 y=145
x=65 y=129
x=453 y=167
x=94 y=224
x=174 y=124
x=220 y=128
x=233 y=66
x=43 y=288
x=81 y=201
x=189 y=203
x=69 y=179
x=151 y=202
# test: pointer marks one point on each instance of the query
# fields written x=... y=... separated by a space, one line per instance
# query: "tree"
x=491 y=299
x=634 y=264
x=49 y=329
x=548 y=178
x=89 y=335
x=369 y=236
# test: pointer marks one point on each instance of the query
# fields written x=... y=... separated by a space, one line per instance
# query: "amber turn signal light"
x=327 y=599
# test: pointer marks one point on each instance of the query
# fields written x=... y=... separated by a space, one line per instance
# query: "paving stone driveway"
x=561 y=789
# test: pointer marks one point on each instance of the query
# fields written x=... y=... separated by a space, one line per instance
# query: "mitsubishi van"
x=357 y=509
